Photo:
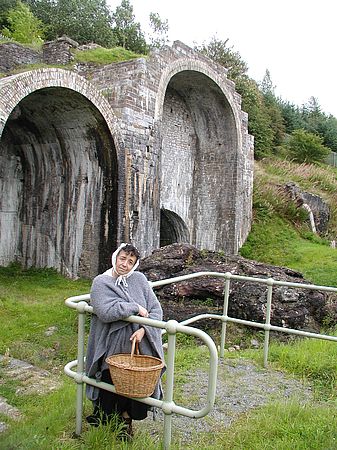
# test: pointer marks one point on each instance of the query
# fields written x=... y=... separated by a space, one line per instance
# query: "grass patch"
x=280 y=426
x=33 y=300
x=102 y=55
x=270 y=175
x=275 y=241
x=314 y=360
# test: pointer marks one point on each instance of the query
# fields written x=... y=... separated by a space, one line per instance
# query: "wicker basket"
x=134 y=375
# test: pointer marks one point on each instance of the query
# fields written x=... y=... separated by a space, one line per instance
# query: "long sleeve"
x=155 y=311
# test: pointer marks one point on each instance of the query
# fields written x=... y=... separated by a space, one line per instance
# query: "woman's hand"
x=139 y=334
x=142 y=311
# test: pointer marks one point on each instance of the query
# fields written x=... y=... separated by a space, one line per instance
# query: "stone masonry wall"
x=138 y=91
x=13 y=55
x=180 y=139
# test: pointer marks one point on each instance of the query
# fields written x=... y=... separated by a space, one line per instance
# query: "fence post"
x=171 y=329
x=80 y=366
x=270 y=283
x=224 y=315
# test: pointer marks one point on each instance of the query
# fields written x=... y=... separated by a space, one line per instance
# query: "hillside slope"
x=281 y=232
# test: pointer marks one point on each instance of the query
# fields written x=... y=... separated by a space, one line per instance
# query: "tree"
x=306 y=147
x=311 y=114
x=160 y=31
x=218 y=51
x=259 y=120
x=315 y=121
x=267 y=88
x=23 y=26
x=82 y=20
x=327 y=129
x=127 y=32
x=5 y=7
x=291 y=114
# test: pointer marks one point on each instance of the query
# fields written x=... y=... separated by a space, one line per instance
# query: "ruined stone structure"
x=153 y=150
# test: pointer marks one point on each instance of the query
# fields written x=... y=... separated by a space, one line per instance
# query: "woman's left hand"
x=139 y=334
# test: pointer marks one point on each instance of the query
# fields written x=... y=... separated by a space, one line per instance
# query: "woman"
x=116 y=294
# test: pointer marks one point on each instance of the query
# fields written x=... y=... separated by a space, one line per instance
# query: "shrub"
x=306 y=147
x=23 y=26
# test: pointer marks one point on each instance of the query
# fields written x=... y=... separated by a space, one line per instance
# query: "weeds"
x=102 y=55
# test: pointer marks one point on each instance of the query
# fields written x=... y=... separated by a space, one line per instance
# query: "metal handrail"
x=167 y=405
x=171 y=328
x=266 y=326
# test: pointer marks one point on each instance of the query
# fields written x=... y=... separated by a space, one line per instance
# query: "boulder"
x=303 y=309
x=319 y=208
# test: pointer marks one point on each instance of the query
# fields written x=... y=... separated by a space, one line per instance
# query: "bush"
x=23 y=26
x=306 y=147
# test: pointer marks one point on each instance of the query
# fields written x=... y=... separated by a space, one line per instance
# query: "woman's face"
x=125 y=262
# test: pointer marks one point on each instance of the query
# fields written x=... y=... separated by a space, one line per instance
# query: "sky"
x=296 y=40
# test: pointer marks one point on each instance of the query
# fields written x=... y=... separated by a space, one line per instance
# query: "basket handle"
x=134 y=347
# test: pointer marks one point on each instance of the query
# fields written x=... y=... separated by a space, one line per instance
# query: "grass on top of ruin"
x=102 y=56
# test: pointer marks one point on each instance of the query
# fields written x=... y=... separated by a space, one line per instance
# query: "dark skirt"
x=109 y=403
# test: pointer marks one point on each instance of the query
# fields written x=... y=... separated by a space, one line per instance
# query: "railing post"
x=80 y=366
x=224 y=315
x=171 y=329
x=270 y=283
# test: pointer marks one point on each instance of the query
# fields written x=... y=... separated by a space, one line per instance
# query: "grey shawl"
x=109 y=334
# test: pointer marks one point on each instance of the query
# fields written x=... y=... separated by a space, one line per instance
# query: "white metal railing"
x=167 y=405
x=171 y=328
x=266 y=326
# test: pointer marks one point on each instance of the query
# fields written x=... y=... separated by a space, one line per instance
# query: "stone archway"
x=201 y=156
x=172 y=228
x=58 y=181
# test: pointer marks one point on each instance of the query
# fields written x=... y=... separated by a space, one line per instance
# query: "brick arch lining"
x=200 y=152
x=172 y=228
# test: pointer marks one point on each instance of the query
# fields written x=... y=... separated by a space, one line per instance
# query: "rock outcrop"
x=313 y=203
x=291 y=307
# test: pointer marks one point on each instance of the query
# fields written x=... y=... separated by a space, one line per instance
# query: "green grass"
x=280 y=233
x=278 y=426
x=314 y=359
x=275 y=241
x=31 y=301
x=99 y=56
x=102 y=55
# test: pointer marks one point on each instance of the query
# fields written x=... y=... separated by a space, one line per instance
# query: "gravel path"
x=241 y=386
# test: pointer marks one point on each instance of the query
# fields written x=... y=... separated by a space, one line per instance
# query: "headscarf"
x=121 y=278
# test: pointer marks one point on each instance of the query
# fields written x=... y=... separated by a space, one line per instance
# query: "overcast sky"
x=295 y=40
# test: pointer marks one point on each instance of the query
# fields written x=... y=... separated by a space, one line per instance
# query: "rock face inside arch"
x=92 y=162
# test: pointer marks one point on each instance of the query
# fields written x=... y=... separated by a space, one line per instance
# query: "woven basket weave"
x=134 y=375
